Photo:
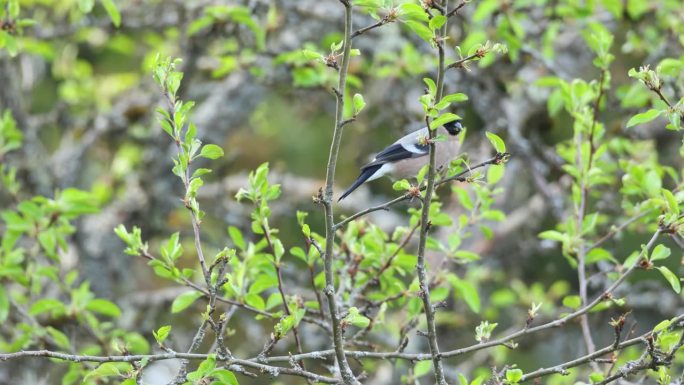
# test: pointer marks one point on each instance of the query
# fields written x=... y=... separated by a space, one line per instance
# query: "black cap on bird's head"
x=454 y=128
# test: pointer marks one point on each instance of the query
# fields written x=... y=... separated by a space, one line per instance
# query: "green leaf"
x=437 y=22
x=451 y=98
x=359 y=103
x=255 y=300
x=312 y=55
x=596 y=377
x=413 y=12
x=422 y=368
x=644 y=117
x=443 y=119
x=46 y=305
x=496 y=141
x=401 y=185
x=236 y=236
x=161 y=334
x=671 y=278
x=104 y=307
x=672 y=204
x=662 y=325
x=184 y=301
x=420 y=29
x=599 y=254
x=660 y=252
x=494 y=173
x=60 y=338
x=86 y=5
x=513 y=376
x=432 y=87
x=572 y=301
x=211 y=151
x=357 y=319
x=107 y=369
x=469 y=293
x=113 y=12
x=224 y=377
x=4 y=304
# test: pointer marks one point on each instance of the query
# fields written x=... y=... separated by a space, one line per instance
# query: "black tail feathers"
x=365 y=174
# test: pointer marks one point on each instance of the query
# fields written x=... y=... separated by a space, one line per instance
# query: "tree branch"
x=562 y=368
x=274 y=371
x=338 y=340
x=425 y=225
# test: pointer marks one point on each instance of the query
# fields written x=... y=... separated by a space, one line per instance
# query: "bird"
x=405 y=157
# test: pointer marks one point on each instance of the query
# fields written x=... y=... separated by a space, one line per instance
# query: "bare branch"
x=272 y=370
x=338 y=340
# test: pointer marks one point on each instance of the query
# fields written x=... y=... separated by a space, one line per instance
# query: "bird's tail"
x=365 y=174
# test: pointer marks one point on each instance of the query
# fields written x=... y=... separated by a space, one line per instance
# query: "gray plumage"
x=405 y=157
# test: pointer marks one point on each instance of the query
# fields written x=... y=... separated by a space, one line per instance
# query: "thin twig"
x=326 y=200
x=279 y=275
x=456 y=9
x=425 y=225
x=581 y=212
x=271 y=370
x=390 y=17
x=461 y=62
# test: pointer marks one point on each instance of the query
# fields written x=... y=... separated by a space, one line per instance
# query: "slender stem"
x=461 y=62
x=338 y=343
x=385 y=20
x=456 y=9
x=425 y=227
x=276 y=264
x=199 y=335
x=582 y=210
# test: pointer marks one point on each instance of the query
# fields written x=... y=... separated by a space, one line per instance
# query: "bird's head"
x=454 y=128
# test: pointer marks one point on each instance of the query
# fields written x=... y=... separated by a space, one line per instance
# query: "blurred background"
x=81 y=91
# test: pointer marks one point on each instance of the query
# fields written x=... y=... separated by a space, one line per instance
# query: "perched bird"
x=405 y=157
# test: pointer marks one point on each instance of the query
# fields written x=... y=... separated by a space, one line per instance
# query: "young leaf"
x=644 y=117
x=432 y=87
x=359 y=103
x=437 y=22
x=161 y=334
x=211 y=151
x=401 y=185
x=496 y=141
x=107 y=369
x=184 y=300
x=4 y=304
x=224 y=377
x=113 y=12
x=671 y=278
x=660 y=252
x=513 y=376
x=443 y=119
x=422 y=368
x=103 y=307
x=420 y=29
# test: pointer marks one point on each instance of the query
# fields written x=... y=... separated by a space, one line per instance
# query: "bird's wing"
x=404 y=148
